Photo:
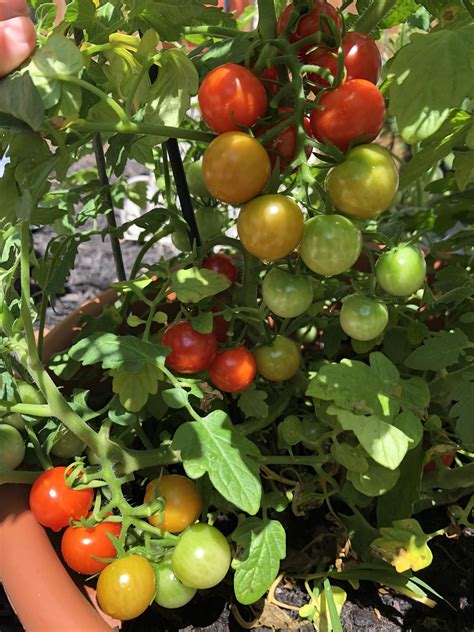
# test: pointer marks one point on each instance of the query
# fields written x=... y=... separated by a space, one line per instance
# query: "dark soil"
x=451 y=574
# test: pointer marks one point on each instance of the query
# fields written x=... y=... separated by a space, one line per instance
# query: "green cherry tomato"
x=210 y=222
x=201 y=558
x=279 y=361
x=363 y=318
x=29 y=394
x=12 y=448
x=311 y=431
x=195 y=178
x=401 y=271
x=289 y=430
x=365 y=184
x=13 y=419
x=287 y=295
x=170 y=592
x=331 y=244
x=126 y=587
x=67 y=445
x=307 y=335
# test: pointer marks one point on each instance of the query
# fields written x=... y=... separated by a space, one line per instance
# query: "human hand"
x=17 y=35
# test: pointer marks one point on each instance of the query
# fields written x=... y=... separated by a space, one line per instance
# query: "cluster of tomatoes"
x=199 y=559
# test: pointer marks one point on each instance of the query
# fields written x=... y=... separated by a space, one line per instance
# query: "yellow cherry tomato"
x=182 y=502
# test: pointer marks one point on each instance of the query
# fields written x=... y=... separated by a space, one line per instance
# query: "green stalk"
x=32 y=410
x=146 y=129
x=85 y=85
x=267 y=21
x=373 y=15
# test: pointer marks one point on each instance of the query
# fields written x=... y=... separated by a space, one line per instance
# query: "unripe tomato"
x=233 y=370
x=201 y=558
x=287 y=295
x=231 y=97
x=309 y=23
x=355 y=109
x=236 y=168
x=365 y=184
x=363 y=318
x=29 y=394
x=331 y=244
x=126 y=587
x=170 y=592
x=12 y=447
x=67 y=445
x=401 y=271
x=182 y=502
x=362 y=59
x=290 y=430
x=191 y=351
x=195 y=179
x=222 y=264
x=210 y=222
x=278 y=361
x=270 y=226
x=80 y=546
x=54 y=504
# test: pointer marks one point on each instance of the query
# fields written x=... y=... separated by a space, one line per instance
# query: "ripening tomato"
x=310 y=23
x=287 y=295
x=365 y=184
x=12 y=447
x=401 y=271
x=53 y=503
x=362 y=59
x=353 y=110
x=363 y=318
x=270 y=226
x=182 y=502
x=236 y=168
x=126 y=587
x=230 y=97
x=80 y=546
x=170 y=592
x=220 y=326
x=278 y=361
x=283 y=146
x=331 y=244
x=222 y=264
x=233 y=370
x=201 y=558
x=269 y=78
x=191 y=351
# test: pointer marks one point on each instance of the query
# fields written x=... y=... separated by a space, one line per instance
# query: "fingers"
x=17 y=38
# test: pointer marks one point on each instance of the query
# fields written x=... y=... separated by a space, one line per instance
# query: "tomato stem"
x=373 y=15
x=145 y=129
x=267 y=21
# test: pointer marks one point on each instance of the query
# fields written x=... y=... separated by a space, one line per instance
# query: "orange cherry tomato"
x=182 y=502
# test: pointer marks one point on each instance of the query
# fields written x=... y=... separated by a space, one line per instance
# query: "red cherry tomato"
x=53 y=503
x=231 y=96
x=283 y=146
x=191 y=351
x=356 y=108
x=431 y=466
x=233 y=370
x=220 y=327
x=269 y=77
x=80 y=547
x=222 y=264
x=309 y=23
x=362 y=59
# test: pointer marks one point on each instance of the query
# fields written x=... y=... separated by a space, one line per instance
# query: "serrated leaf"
x=264 y=544
x=462 y=411
x=118 y=352
x=135 y=388
x=439 y=351
x=20 y=98
x=212 y=445
x=404 y=545
x=194 y=284
x=385 y=443
x=252 y=402
x=376 y=481
x=420 y=104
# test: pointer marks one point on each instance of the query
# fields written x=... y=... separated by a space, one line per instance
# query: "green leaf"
x=420 y=104
x=175 y=397
x=400 y=13
x=404 y=545
x=439 y=351
x=436 y=147
x=81 y=13
x=263 y=545
x=462 y=411
x=463 y=166
x=203 y=322
x=20 y=98
x=118 y=352
x=194 y=284
x=385 y=443
x=118 y=415
x=135 y=388
x=350 y=457
x=411 y=426
x=213 y=446
x=252 y=402
x=376 y=481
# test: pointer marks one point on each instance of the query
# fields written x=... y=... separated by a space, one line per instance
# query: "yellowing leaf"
x=404 y=546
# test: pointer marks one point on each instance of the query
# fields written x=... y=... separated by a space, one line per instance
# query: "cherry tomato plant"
x=306 y=349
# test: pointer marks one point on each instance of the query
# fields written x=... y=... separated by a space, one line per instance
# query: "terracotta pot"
x=38 y=586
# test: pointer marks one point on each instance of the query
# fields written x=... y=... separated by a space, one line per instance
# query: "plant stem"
x=146 y=129
x=32 y=410
x=110 y=215
x=119 y=111
x=373 y=15
x=267 y=21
